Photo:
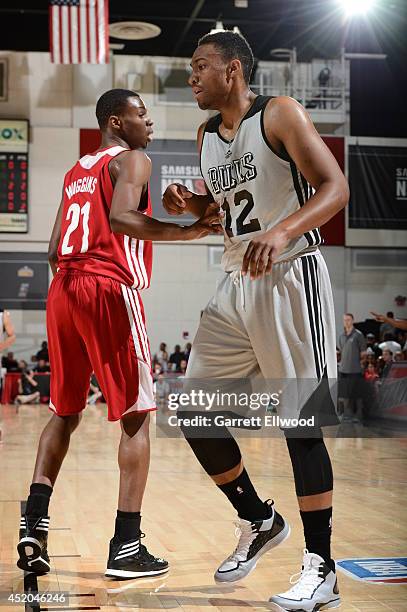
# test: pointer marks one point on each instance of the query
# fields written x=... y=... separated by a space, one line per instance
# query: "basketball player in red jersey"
x=101 y=254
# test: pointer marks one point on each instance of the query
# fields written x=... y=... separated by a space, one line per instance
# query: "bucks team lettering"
x=228 y=176
x=83 y=185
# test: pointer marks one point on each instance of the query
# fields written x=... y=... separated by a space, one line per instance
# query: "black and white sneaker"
x=32 y=547
x=316 y=588
x=256 y=538
x=132 y=560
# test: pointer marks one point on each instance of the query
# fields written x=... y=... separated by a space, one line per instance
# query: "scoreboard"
x=13 y=176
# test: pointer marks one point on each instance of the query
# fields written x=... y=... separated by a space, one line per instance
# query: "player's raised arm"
x=292 y=126
x=178 y=200
x=133 y=174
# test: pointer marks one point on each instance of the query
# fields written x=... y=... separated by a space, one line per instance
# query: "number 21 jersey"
x=255 y=187
x=87 y=243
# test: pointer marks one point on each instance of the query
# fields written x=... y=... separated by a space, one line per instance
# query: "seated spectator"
x=389 y=344
x=387 y=359
x=9 y=362
x=183 y=366
x=372 y=346
x=43 y=352
x=27 y=386
x=162 y=390
x=176 y=357
x=161 y=357
x=370 y=373
x=42 y=367
x=94 y=391
x=157 y=370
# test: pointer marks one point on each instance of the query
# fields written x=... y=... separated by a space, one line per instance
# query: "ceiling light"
x=357 y=7
x=133 y=30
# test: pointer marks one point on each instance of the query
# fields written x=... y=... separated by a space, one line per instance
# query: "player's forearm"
x=136 y=225
x=399 y=323
x=326 y=202
x=7 y=342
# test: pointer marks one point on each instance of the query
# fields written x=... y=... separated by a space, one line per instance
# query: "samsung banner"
x=378 y=185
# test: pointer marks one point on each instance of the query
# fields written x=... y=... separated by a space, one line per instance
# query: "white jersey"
x=255 y=186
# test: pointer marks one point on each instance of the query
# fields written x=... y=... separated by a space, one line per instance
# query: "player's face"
x=209 y=77
x=136 y=124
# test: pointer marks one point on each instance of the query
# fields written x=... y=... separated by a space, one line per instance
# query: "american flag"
x=79 y=31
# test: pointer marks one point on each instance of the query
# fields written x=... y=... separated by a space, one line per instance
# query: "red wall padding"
x=333 y=232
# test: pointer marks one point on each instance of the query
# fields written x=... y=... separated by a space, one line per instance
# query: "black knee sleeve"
x=217 y=453
x=311 y=465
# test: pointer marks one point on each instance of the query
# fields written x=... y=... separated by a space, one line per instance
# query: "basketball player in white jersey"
x=265 y=164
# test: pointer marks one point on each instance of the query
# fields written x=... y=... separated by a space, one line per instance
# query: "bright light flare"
x=357 y=7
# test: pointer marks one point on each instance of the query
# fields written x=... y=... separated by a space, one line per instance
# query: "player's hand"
x=175 y=197
x=263 y=251
x=379 y=317
x=209 y=223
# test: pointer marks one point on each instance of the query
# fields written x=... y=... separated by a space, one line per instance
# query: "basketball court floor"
x=188 y=522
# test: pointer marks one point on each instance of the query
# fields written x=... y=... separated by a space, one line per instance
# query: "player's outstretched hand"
x=263 y=251
x=209 y=223
x=174 y=199
x=379 y=317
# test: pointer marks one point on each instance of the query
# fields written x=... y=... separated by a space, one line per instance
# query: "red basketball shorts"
x=95 y=324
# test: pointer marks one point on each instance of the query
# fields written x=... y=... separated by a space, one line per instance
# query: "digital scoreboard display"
x=13 y=176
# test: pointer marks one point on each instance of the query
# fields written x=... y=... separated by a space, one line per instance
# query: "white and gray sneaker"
x=255 y=539
x=315 y=587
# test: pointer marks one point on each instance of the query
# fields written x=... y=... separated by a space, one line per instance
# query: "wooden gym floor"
x=188 y=521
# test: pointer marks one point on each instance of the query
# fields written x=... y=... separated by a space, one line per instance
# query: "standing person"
x=353 y=346
x=261 y=160
x=101 y=243
x=176 y=357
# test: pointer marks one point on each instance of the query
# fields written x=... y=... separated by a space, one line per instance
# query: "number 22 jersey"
x=255 y=187
x=87 y=243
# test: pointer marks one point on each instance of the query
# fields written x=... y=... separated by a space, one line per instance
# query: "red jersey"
x=87 y=242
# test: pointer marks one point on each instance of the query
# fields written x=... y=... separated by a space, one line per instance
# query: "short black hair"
x=112 y=102
x=232 y=45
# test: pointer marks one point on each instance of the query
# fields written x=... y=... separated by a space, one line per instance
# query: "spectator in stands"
x=352 y=344
x=162 y=390
x=27 y=386
x=43 y=353
x=161 y=357
x=94 y=391
x=176 y=357
x=371 y=374
x=183 y=366
x=187 y=350
x=42 y=366
x=9 y=362
x=387 y=327
x=390 y=344
x=372 y=346
x=387 y=359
